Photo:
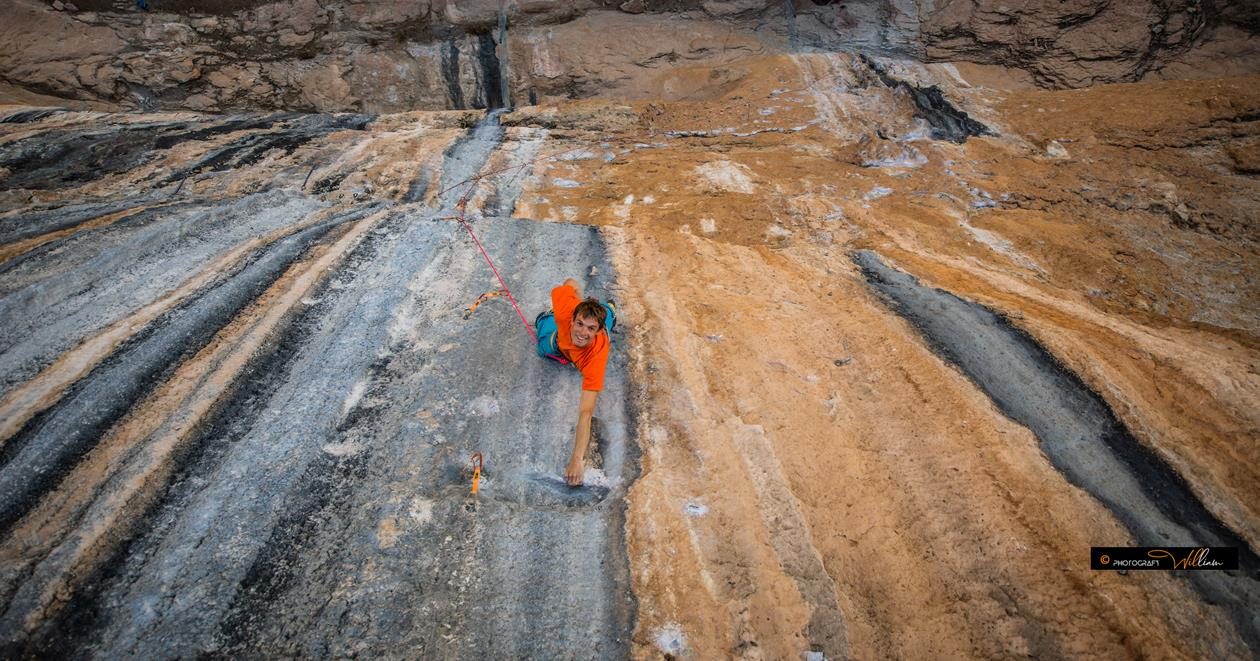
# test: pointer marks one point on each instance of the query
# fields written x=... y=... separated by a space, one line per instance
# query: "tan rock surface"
x=814 y=477
x=325 y=89
x=806 y=454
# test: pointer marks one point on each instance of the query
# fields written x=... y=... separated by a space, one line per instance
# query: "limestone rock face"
x=546 y=67
x=733 y=7
x=392 y=55
x=47 y=51
x=1066 y=44
x=476 y=15
x=903 y=340
x=386 y=13
x=326 y=89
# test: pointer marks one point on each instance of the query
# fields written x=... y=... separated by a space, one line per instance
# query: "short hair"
x=591 y=308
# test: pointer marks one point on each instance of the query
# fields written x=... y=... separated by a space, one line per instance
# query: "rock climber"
x=576 y=331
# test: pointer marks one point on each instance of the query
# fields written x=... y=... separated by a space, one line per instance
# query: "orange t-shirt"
x=591 y=359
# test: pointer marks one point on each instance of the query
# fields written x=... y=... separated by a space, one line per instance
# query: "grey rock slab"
x=59 y=294
x=37 y=456
x=339 y=522
x=465 y=159
x=26 y=223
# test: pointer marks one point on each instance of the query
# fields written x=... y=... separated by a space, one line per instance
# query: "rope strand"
x=463 y=220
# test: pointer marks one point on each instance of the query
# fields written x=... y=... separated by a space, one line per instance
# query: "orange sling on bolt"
x=476 y=464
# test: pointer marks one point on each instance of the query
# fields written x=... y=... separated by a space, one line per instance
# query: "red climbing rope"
x=463 y=201
x=464 y=221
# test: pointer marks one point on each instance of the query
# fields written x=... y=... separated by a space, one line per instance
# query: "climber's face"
x=583 y=331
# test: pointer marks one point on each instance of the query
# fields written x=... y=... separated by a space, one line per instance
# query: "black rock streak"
x=250 y=149
x=76 y=627
x=947 y=122
x=47 y=447
x=491 y=83
x=29 y=116
x=58 y=158
x=450 y=73
x=1078 y=432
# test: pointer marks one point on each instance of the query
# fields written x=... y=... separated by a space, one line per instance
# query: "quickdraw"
x=476 y=464
x=461 y=205
x=482 y=299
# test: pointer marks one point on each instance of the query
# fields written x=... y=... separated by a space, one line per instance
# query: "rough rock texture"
x=1068 y=43
x=898 y=342
x=240 y=376
x=235 y=412
x=816 y=476
x=392 y=55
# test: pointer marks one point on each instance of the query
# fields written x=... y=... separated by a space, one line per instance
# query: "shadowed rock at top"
x=355 y=55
